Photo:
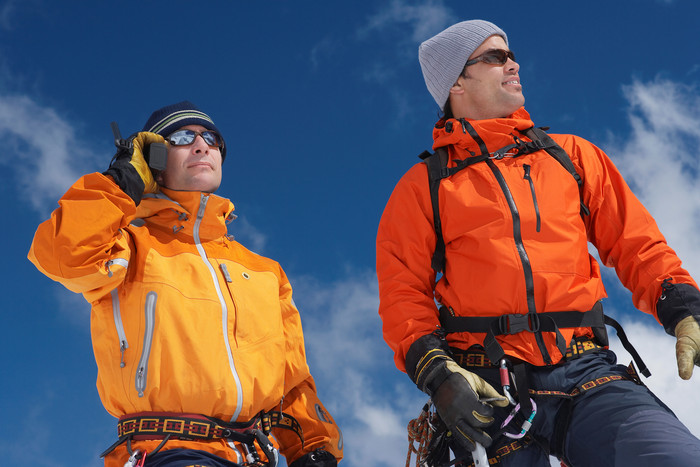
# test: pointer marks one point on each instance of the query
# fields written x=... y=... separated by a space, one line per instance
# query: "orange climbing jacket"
x=184 y=319
x=515 y=240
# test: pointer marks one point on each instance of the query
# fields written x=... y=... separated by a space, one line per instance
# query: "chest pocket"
x=257 y=315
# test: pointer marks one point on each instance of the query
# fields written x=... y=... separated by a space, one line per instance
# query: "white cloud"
x=423 y=19
x=247 y=234
x=660 y=160
x=354 y=368
x=657 y=349
x=343 y=331
x=42 y=149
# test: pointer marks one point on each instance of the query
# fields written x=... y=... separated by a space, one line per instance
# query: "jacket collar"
x=177 y=211
x=495 y=133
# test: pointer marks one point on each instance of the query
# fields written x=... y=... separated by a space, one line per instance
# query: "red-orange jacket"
x=184 y=318
x=489 y=271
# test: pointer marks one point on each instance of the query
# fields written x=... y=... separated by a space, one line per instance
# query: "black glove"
x=129 y=168
x=317 y=458
x=455 y=392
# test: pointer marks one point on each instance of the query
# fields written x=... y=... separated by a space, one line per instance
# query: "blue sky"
x=323 y=108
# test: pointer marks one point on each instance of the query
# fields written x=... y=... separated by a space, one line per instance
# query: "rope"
x=420 y=430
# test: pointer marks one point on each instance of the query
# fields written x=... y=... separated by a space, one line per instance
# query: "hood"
x=496 y=133
x=177 y=211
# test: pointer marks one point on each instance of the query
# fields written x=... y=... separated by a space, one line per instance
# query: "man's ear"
x=457 y=88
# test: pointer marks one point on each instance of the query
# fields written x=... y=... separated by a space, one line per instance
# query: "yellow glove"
x=140 y=142
x=687 y=346
x=129 y=168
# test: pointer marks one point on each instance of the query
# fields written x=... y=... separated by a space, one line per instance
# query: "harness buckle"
x=515 y=323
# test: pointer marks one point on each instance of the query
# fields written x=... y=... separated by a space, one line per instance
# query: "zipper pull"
x=224 y=270
x=122 y=349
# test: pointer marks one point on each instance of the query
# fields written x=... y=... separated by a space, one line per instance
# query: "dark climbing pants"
x=620 y=423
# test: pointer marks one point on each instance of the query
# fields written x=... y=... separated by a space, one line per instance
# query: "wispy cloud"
x=657 y=349
x=343 y=331
x=354 y=368
x=247 y=234
x=417 y=20
x=41 y=149
x=661 y=162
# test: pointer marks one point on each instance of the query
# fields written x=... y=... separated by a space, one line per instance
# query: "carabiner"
x=526 y=424
x=505 y=380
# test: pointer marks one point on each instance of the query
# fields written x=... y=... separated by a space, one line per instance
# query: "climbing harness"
x=433 y=438
x=433 y=443
x=166 y=426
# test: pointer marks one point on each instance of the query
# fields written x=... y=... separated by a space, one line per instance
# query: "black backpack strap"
x=558 y=153
x=437 y=165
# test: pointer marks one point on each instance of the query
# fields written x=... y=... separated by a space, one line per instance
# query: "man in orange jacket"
x=198 y=343
x=519 y=298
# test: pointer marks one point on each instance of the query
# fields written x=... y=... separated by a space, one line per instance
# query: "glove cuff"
x=127 y=178
x=677 y=301
x=426 y=362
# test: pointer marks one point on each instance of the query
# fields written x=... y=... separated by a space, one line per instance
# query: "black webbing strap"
x=514 y=323
x=436 y=162
x=544 y=322
x=628 y=345
x=558 y=153
x=438 y=170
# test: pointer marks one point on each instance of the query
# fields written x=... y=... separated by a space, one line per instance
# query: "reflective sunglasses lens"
x=182 y=137
x=211 y=138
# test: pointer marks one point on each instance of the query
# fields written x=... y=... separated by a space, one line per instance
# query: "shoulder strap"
x=436 y=163
x=558 y=153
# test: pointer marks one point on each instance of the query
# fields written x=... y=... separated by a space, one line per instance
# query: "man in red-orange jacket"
x=199 y=346
x=515 y=320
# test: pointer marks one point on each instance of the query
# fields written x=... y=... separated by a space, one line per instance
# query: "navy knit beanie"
x=167 y=120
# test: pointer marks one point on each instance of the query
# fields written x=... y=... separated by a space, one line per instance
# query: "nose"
x=512 y=66
x=199 y=145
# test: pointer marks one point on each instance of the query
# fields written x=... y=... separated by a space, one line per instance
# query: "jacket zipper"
x=120 y=261
x=524 y=258
x=222 y=301
x=142 y=369
x=116 y=312
x=527 y=177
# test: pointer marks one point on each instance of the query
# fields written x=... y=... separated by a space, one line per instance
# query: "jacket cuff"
x=677 y=301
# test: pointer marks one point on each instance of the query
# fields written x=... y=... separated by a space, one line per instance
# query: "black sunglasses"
x=185 y=137
x=493 y=57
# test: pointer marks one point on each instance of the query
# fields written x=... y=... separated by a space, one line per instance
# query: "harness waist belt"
x=155 y=425
x=168 y=425
x=536 y=323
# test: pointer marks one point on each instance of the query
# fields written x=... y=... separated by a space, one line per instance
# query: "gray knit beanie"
x=442 y=57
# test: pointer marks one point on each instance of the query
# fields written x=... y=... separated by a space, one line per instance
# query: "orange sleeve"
x=405 y=245
x=300 y=400
x=81 y=245
x=619 y=226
